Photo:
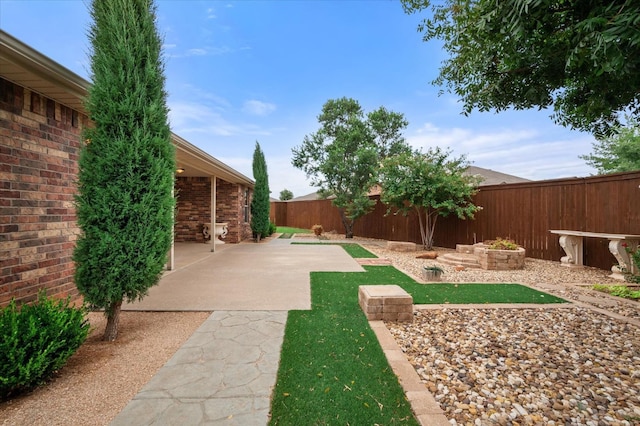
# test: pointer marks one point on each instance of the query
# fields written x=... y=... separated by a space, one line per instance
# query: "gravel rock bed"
x=101 y=377
x=561 y=366
x=568 y=366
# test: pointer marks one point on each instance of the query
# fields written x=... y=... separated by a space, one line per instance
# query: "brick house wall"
x=39 y=146
x=193 y=209
x=232 y=206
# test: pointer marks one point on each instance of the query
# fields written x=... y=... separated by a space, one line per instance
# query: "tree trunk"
x=427 y=229
x=348 y=225
x=113 y=319
x=432 y=217
x=423 y=234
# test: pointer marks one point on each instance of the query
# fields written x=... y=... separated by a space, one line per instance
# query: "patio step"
x=464 y=259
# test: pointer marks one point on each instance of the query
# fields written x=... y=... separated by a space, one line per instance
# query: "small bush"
x=317 y=229
x=500 y=244
x=618 y=290
x=272 y=228
x=36 y=340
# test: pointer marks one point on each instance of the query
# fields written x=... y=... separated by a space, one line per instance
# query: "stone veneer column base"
x=385 y=302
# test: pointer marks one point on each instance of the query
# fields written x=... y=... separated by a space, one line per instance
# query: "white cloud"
x=211 y=13
x=467 y=140
x=527 y=153
x=282 y=175
x=255 y=107
x=198 y=118
x=192 y=117
x=202 y=96
x=219 y=50
x=196 y=52
x=240 y=164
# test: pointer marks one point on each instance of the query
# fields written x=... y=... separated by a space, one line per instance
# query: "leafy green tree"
x=580 y=56
x=619 y=152
x=125 y=202
x=430 y=184
x=342 y=158
x=260 y=204
x=285 y=195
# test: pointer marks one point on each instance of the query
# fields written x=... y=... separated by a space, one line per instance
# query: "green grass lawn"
x=477 y=293
x=289 y=230
x=332 y=369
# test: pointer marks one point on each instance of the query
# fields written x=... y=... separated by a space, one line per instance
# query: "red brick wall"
x=230 y=205
x=194 y=208
x=39 y=145
x=194 y=201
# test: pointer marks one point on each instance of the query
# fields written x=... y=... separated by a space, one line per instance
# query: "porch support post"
x=171 y=257
x=214 y=237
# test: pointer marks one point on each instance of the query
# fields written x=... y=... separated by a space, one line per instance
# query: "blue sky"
x=246 y=71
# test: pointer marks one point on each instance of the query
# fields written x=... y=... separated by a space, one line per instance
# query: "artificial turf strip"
x=353 y=249
x=424 y=294
x=458 y=293
x=290 y=230
x=332 y=369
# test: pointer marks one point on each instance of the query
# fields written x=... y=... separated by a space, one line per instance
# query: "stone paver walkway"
x=223 y=374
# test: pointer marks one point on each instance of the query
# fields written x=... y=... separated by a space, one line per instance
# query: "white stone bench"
x=572 y=244
x=385 y=302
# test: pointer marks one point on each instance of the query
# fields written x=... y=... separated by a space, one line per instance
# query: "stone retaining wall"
x=499 y=260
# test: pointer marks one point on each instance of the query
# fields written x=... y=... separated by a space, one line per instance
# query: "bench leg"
x=625 y=264
x=572 y=246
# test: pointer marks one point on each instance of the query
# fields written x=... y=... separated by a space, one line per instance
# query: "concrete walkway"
x=270 y=276
x=225 y=372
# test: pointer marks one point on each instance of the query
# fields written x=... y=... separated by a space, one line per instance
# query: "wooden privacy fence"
x=523 y=212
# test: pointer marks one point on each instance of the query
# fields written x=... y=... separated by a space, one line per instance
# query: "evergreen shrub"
x=36 y=340
x=272 y=228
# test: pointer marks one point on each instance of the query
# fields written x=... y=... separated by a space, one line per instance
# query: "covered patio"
x=268 y=276
x=208 y=192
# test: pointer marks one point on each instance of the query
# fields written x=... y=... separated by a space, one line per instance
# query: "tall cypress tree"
x=260 y=202
x=125 y=197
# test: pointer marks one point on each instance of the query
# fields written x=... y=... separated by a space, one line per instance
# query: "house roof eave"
x=29 y=68
x=197 y=162
x=23 y=65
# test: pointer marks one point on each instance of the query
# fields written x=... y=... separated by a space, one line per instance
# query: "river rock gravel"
x=567 y=366
x=574 y=365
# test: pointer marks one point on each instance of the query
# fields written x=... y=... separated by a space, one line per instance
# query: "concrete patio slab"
x=270 y=275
